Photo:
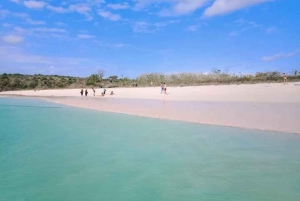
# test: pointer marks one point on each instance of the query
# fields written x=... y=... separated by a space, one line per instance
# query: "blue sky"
x=127 y=38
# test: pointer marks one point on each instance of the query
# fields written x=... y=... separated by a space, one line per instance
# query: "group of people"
x=163 y=88
x=94 y=92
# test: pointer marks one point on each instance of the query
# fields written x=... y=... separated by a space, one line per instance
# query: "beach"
x=271 y=107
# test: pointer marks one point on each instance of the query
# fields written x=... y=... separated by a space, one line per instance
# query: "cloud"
x=12 y=39
x=141 y=26
x=34 y=4
x=172 y=7
x=192 y=28
x=165 y=23
x=21 y=15
x=4 y=13
x=182 y=7
x=35 y=22
x=83 y=9
x=80 y=8
x=57 y=9
x=187 y=6
x=43 y=32
x=60 y=24
x=85 y=36
x=244 y=25
x=19 y=29
x=220 y=7
x=50 y=30
x=22 y=61
x=233 y=33
x=117 y=45
x=280 y=55
x=15 y=1
x=109 y=15
x=271 y=30
x=146 y=27
x=118 y=6
x=6 y=25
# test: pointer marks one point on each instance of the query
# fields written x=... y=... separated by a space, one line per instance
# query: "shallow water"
x=64 y=153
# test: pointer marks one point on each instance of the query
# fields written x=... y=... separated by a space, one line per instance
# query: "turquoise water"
x=73 y=154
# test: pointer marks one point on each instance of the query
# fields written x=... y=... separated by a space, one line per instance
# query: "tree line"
x=38 y=81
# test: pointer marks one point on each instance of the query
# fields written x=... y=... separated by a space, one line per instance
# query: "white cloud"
x=271 y=30
x=181 y=7
x=57 y=9
x=187 y=6
x=176 y=7
x=15 y=1
x=6 y=25
x=146 y=27
x=4 y=13
x=117 y=45
x=21 y=15
x=118 y=6
x=85 y=36
x=141 y=26
x=165 y=23
x=233 y=33
x=109 y=15
x=34 y=4
x=60 y=24
x=50 y=30
x=80 y=8
x=220 y=7
x=13 y=39
x=280 y=55
x=19 y=29
x=17 y=55
x=33 y=22
x=192 y=28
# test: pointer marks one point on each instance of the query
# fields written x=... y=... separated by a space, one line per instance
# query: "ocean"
x=55 y=152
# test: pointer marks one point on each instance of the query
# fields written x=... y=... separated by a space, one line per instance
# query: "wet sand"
x=273 y=107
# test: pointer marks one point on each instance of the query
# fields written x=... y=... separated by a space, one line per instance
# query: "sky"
x=129 y=38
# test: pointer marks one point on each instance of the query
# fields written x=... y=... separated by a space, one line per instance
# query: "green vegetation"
x=25 y=82
x=10 y=82
x=215 y=77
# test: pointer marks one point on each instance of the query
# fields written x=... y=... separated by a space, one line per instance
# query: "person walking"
x=103 y=93
x=284 y=78
x=162 y=87
x=81 y=92
x=86 y=92
x=94 y=91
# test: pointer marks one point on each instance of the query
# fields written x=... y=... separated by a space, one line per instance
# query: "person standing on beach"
x=165 y=88
x=103 y=93
x=94 y=91
x=81 y=92
x=284 y=78
x=162 y=87
x=86 y=92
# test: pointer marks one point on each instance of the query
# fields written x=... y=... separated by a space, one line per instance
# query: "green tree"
x=93 y=80
x=113 y=78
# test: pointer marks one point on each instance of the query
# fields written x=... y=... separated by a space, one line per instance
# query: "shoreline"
x=170 y=119
x=108 y=106
x=273 y=108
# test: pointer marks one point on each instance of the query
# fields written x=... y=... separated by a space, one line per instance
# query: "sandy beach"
x=273 y=107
